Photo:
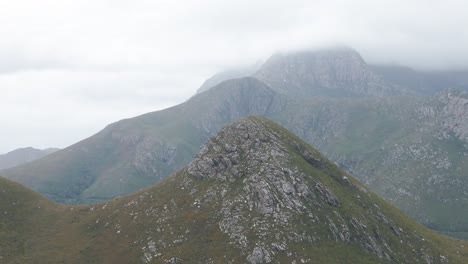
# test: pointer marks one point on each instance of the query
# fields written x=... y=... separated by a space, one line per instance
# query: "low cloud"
x=100 y=61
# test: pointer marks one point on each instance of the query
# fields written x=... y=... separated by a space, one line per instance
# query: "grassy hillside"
x=254 y=192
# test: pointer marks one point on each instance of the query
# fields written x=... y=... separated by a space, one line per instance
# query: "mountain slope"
x=34 y=229
x=394 y=144
x=423 y=82
x=23 y=155
x=256 y=194
x=227 y=75
x=134 y=153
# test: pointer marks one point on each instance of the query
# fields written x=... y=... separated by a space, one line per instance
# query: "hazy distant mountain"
x=342 y=72
x=335 y=72
x=23 y=155
x=254 y=194
x=228 y=75
x=134 y=153
x=339 y=72
x=423 y=82
x=411 y=149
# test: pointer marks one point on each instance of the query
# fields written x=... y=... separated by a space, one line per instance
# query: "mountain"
x=342 y=72
x=338 y=72
x=332 y=72
x=228 y=75
x=255 y=193
x=411 y=150
x=134 y=153
x=423 y=82
x=23 y=155
x=394 y=144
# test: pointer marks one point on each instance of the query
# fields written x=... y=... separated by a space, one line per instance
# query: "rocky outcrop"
x=151 y=153
x=455 y=113
x=263 y=191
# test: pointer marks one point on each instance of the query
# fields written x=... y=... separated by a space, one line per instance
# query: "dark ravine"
x=255 y=193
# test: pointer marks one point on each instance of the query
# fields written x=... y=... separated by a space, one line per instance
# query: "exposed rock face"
x=150 y=153
x=339 y=72
x=259 y=255
x=455 y=113
x=263 y=193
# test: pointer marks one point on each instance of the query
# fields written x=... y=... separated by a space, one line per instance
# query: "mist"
x=69 y=68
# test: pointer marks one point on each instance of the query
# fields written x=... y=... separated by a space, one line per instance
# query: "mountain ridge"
x=255 y=193
x=23 y=155
x=336 y=72
x=144 y=149
x=379 y=140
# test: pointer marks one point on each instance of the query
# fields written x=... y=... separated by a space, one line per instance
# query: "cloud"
x=100 y=61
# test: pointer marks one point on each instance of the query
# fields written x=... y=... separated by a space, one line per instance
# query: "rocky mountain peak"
x=338 y=72
x=245 y=147
x=246 y=140
x=275 y=192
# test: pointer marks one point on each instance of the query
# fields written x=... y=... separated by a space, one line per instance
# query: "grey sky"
x=68 y=68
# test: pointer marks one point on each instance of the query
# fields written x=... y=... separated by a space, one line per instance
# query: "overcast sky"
x=68 y=68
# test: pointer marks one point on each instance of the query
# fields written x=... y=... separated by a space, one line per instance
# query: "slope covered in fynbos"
x=254 y=194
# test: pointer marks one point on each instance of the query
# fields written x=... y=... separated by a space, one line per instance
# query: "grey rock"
x=259 y=255
x=173 y=260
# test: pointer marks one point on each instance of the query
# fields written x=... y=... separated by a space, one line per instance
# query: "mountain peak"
x=257 y=152
x=247 y=137
x=244 y=146
x=335 y=72
x=263 y=176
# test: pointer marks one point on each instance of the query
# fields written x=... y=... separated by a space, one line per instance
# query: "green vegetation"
x=405 y=148
x=180 y=217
